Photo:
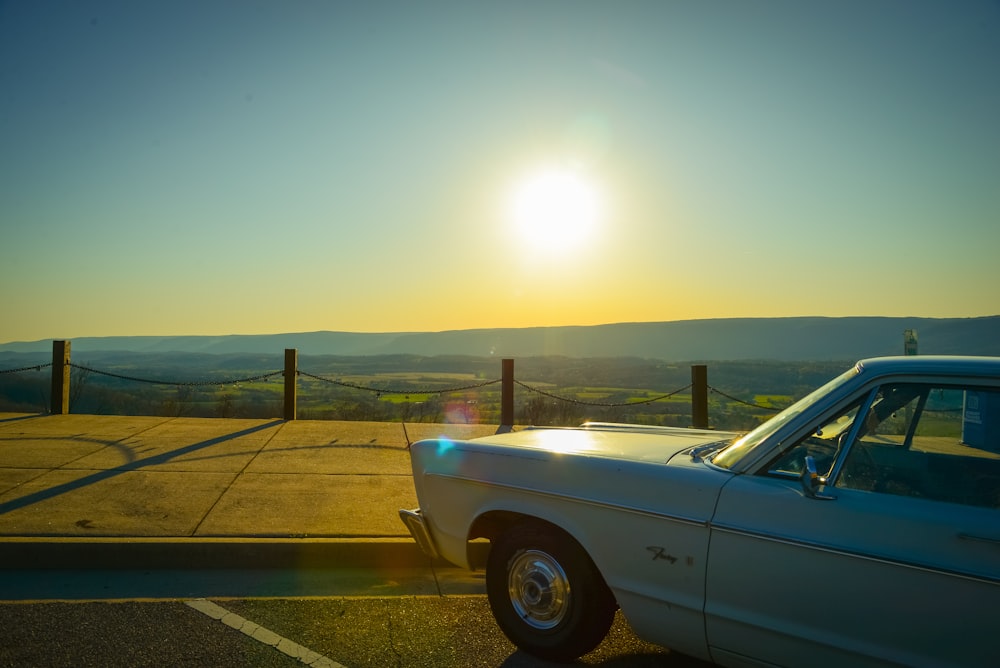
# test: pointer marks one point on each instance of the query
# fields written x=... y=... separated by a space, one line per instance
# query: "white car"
x=860 y=526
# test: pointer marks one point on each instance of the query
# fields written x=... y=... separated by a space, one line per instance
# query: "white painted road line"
x=260 y=634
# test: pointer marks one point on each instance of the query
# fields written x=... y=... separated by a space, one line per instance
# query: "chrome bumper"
x=417 y=526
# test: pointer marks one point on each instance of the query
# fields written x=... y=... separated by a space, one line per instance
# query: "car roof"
x=986 y=367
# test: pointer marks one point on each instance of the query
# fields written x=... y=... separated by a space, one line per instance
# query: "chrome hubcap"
x=538 y=589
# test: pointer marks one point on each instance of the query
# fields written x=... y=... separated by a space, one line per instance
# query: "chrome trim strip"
x=980 y=539
x=819 y=547
x=566 y=497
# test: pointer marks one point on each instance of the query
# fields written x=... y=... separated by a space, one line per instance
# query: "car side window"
x=822 y=444
x=940 y=443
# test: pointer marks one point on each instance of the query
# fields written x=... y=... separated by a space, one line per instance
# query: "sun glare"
x=555 y=209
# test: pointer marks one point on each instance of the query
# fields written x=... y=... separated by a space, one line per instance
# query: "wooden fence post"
x=60 y=377
x=291 y=375
x=699 y=396
x=507 y=394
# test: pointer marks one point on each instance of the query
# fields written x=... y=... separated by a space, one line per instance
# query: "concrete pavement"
x=97 y=491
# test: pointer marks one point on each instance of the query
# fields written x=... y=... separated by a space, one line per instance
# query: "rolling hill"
x=800 y=338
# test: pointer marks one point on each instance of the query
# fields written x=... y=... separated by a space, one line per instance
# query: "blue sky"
x=252 y=167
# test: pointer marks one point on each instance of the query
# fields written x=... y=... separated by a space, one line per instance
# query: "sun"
x=555 y=208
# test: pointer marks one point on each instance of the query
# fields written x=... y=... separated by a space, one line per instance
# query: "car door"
x=896 y=560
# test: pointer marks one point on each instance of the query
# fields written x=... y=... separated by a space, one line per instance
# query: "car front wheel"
x=546 y=594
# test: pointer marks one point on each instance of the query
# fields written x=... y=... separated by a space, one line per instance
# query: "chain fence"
x=386 y=390
x=260 y=377
x=179 y=383
x=379 y=391
x=601 y=404
x=639 y=402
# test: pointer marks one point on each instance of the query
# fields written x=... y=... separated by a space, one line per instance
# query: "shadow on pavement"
x=99 y=476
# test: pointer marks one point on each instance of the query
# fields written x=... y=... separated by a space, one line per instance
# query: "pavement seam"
x=392 y=637
x=437 y=580
x=105 y=444
x=130 y=457
x=229 y=486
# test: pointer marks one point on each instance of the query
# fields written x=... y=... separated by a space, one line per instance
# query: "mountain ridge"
x=785 y=339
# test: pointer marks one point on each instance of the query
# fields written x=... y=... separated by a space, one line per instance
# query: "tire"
x=546 y=594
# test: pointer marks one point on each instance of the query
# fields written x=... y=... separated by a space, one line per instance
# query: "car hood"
x=629 y=442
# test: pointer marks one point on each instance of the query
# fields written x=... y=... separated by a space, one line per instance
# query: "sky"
x=208 y=167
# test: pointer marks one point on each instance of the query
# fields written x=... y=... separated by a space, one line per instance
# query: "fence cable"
x=196 y=383
x=745 y=403
x=600 y=403
x=385 y=390
x=36 y=367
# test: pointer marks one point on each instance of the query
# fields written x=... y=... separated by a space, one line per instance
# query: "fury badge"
x=661 y=553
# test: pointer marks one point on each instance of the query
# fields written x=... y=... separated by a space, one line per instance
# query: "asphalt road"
x=351 y=632
x=68 y=625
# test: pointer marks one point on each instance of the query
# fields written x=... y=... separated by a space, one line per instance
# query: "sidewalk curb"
x=35 y=553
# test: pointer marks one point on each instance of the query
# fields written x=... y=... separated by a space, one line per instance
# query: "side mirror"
x=811 y=481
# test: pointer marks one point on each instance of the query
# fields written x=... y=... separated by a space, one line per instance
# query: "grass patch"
x=772 y=400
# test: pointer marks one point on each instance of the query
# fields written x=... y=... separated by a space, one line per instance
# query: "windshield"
x=740 y=447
